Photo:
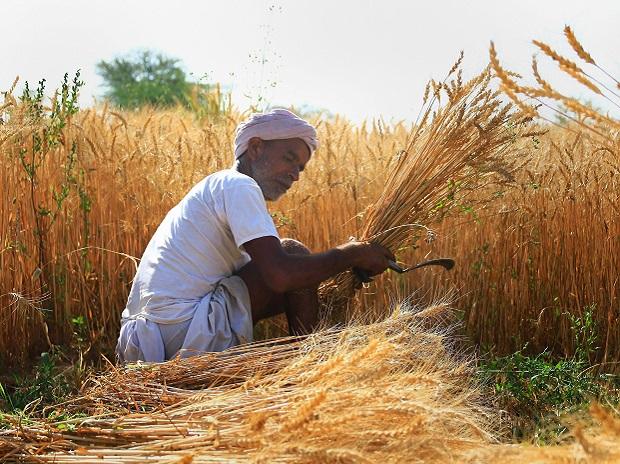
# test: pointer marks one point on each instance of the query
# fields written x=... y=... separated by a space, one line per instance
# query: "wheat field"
x=527 y=203
x=528 y=249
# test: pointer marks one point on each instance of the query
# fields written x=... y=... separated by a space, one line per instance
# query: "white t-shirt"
x=199 y=242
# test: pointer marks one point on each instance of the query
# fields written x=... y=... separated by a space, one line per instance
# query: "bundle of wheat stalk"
x=382 y=392
x=455 y=148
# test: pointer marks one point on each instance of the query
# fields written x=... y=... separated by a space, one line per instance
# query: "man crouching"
x=216 y=265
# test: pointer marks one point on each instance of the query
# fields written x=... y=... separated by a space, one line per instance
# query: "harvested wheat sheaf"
x=395 y=391
x=398 y=390
x=458 y=146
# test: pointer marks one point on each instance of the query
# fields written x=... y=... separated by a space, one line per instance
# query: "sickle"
x=446 y=263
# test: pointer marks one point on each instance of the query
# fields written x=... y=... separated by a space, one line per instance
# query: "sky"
x=362 y=59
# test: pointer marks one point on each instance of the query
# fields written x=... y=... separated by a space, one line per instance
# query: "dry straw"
x=395 y=391
x=385 y=392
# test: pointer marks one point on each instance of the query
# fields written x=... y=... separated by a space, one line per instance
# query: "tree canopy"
x=144 y=78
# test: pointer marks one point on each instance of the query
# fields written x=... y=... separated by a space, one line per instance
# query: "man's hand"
x=370 y=257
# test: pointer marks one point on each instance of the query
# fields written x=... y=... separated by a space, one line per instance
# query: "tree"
x=144 y=78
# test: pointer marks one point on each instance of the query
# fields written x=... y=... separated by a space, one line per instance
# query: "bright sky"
x=359 y=58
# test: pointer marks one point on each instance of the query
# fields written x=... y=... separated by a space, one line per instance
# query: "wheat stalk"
x=546 y=90
x=453 y=147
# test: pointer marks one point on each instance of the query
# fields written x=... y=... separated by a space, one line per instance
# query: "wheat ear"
x=576 y=45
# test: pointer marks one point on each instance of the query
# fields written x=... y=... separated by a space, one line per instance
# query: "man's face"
x=276 y=164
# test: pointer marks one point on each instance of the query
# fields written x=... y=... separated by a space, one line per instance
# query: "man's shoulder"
x=229 y=178
x=222 y=183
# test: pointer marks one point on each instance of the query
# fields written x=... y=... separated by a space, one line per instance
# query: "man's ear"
x=256 y=147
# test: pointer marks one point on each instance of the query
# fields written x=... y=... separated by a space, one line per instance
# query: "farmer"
x=216 y=265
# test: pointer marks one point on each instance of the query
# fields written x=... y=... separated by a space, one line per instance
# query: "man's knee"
x=294 y=247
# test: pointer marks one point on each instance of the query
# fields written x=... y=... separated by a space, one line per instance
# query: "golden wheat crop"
x=529 y=249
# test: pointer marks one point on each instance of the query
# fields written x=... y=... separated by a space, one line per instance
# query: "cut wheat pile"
x=393 y=391
x=366 y=393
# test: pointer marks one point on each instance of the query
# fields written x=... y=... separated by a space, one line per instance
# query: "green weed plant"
x=540 y=389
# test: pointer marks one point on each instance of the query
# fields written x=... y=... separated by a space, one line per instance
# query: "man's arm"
x=283 y=272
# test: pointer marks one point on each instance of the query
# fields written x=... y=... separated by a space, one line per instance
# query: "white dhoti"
x=223 y=318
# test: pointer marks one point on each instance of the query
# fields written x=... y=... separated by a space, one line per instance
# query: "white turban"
x=277 y=124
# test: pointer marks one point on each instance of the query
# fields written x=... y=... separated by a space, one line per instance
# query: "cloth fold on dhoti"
x=140 y=340
x=222 y=319
x=277 y=124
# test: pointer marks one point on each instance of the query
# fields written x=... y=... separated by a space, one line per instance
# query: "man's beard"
x=272 y=190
